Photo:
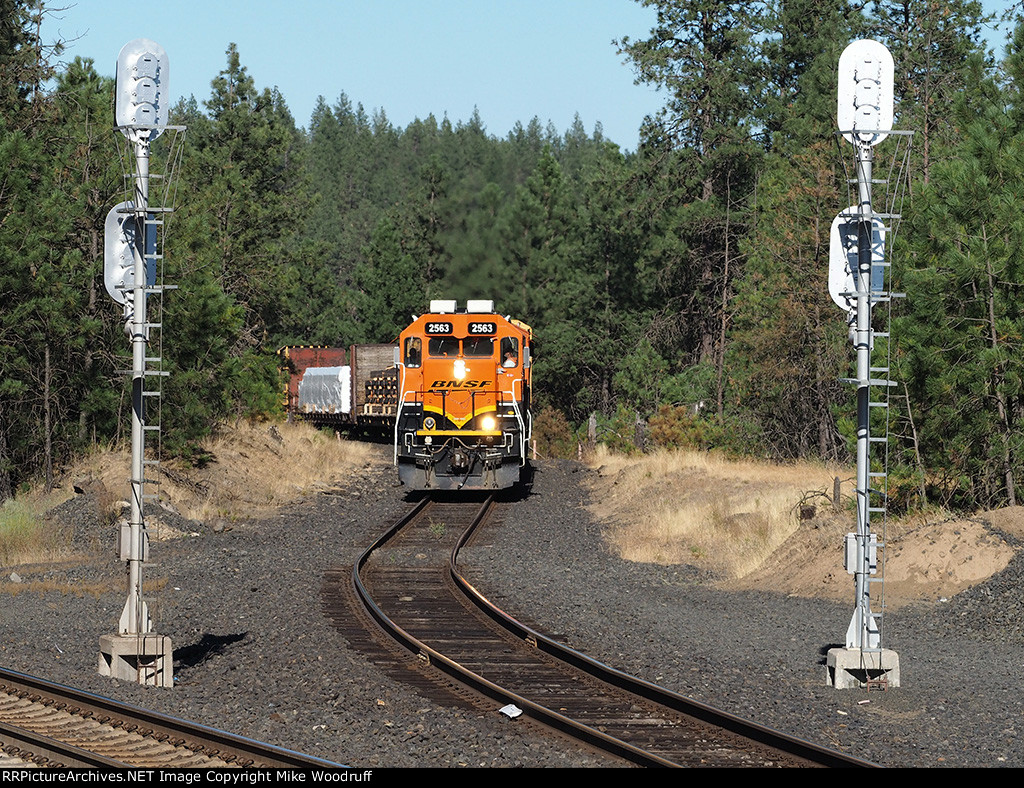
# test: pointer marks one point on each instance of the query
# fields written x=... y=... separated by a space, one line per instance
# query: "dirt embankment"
x=754 y=525
x=928 y=562
x=759 y=526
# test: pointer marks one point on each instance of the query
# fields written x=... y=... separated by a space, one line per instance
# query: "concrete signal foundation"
x=144 y=659
x=851 y=668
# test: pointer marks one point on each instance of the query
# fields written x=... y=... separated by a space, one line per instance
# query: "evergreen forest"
x=678 y=293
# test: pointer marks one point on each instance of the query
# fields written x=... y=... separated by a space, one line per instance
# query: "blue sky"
x=512 y=59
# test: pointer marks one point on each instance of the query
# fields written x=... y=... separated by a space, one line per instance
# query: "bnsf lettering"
x=459 y=384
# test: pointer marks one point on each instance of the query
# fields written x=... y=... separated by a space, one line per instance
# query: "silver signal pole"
x=136 y=652
x=135 y=618
x=863 y=631
x=865 y=117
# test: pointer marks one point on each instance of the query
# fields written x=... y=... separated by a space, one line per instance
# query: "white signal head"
x=119 y=250
x=142 y=96
x=844 y=259
x=865 y=109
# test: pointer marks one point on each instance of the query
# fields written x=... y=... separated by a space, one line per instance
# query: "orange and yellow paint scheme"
x=464 y=398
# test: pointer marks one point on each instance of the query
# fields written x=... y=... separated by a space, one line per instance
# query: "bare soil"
x=925 y=559
x=930 y=562
x=239 y=596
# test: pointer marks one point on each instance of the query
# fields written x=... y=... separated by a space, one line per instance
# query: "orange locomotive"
x=463 y=417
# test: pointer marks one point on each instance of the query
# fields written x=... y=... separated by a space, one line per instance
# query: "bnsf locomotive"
x=463 y=418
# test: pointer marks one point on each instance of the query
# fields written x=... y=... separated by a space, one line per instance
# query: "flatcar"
x=354 y=387
x=463 y=418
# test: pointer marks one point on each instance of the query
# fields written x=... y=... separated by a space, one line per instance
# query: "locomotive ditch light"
x=488 y=423
x=429 y=423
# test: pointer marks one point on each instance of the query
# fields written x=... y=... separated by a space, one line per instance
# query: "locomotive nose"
x=463 y=417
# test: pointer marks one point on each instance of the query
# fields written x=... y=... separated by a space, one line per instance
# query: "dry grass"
x=256 y=469
x=23 y=536
x=698 y=508
x=260 y=468
x=73 y=588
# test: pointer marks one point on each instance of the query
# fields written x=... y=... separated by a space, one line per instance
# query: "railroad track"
x=45 y=724
x=409 y=584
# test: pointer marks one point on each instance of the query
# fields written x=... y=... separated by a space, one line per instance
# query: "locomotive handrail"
x=398 y=410
x=519 y=417
x=522 y=432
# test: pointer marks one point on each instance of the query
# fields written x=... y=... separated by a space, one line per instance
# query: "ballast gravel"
x=256 y=655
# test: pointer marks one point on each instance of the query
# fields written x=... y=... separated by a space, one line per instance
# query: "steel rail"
x=796 y=748
x=237 y=750
x=745 y=728
x=474 y=680
x=38 y=750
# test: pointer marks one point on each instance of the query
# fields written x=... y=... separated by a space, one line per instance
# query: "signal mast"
x=132 y=272
x=857 y=282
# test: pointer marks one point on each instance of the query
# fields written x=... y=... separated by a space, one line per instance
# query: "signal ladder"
x=150 y=385
x=878 y=480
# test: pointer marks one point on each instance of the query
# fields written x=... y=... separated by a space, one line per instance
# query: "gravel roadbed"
x=255 y=654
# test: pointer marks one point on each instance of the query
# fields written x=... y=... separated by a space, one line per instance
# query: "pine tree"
x=89 y=182
x=931 y=41
x=801 y=56
x=536 y=233
x=237 y=255
x=33 y=228
x=963 y=337
x=788 y=341
x=699 y=159
x=389 y=287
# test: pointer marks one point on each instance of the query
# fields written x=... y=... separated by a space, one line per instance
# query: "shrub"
x=676 y=427
x=553 y=434
x=22 y=533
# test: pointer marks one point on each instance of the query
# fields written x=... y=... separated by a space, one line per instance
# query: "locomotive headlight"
x=488 y=422
x=429 y=423
x=460 y=369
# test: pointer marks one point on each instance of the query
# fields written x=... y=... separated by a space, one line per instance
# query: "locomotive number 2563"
x=482 y=328
x=438 y=328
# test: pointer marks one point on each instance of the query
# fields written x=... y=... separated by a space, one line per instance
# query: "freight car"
x=463 y=419
x=357 y=386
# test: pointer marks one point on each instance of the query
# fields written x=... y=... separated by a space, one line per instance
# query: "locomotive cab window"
x=509 y=351
x=478 y=347
x=443 y=347
x=413 y=352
